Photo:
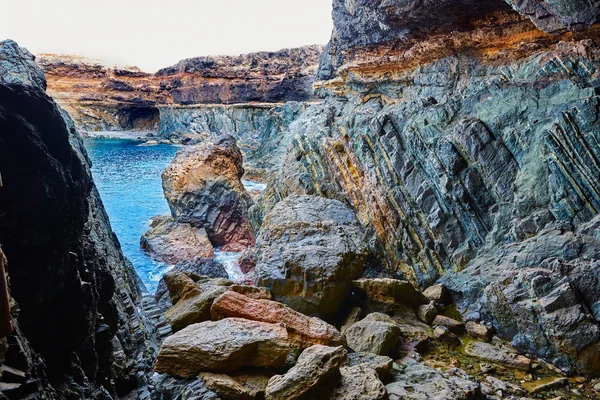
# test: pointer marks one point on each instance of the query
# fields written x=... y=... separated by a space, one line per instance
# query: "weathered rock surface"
x=381 y=364
x=316 y=367
x=303 y=331
x=203 y=188
x=308 y=252
x=191 y=299
x=172 y=242
x=497 y=354
x=239 y=386
x=387 y=293
x=359 y=383
x=373 y=336
x=223 y=346
x=81 y=332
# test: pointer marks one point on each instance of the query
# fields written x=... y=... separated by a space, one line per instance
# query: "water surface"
x=128 y=177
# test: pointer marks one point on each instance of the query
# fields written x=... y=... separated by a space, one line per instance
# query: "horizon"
x=238 y=26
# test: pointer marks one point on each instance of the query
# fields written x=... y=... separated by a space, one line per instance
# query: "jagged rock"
x=303 y=331
x=316 y=367
x=172 y=242
x=203 y=188
x=372 y=336
x=438 y=293
x=389 y=292
x=78 y=296
x=497 y=354
x=558 y=16
x=454 y=326
x=352 y=318
x=309 y=250
x=191 y=299
x=381 y=364
x=478 y=331
x=169 y=387
x=416 y=381
x=223 y=346
x=238 y=386
x=359 y=382
x=443 y=334
x=504 y=387
x=427 y=313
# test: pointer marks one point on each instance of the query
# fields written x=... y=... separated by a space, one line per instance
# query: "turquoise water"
x=128 y=177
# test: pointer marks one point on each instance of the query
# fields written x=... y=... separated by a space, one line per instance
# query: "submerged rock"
x=223 y=346
x=204 y=189
x=308 y=252
x=172 y=242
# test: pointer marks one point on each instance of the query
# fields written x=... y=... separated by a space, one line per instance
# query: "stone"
x=427 y=313
x=454 y=326
x=415 y=337
x=496 y=354
x=387 y=291
x=204 y=189
x=303 y=331
x=223 y=346
x=381 y=364
x=316 y=367
x=438 y=293
x=192 y=304
x=543 y=385
x=308 y=252
x=238 y=386
x=352 y=317
x=372 y=336
x=443 y=334
x=504 y=387
x=478 y=331
x=359 y=382
x=171 y=242
x=416 y=381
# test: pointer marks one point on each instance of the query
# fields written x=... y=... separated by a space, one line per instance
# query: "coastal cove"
x=132 y=194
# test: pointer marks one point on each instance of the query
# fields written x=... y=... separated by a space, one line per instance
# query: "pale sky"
x=153 y=34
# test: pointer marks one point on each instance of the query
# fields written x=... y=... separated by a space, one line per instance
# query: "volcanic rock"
x=316 y=367
x=309 y=250
x=203 y=188
x=303 y=331
x=223 y=346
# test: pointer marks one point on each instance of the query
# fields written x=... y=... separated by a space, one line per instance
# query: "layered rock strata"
x=456 y=132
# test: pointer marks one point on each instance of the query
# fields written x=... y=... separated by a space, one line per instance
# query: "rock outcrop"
x=458 y=132
x=308 y=252
x=77 y=295
x=204 y=189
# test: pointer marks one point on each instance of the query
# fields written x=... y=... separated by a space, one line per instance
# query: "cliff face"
x=458 y=131
x=81 y=333
x=176 y=100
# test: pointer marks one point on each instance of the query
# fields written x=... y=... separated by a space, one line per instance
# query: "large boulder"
x=316 y=367
x=203 y=188
x=171 y=242
x=303 y=331
x=359 y=382
x=373 y=335
x=223 y=346
x=308 y=252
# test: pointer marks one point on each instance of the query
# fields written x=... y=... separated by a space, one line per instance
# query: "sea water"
x=128 y=177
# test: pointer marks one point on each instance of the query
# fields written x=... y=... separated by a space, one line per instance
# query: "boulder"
x=308 y=252
x=392 y=296
x=454 y=326
x=416 y=382
x=438 y=293
x=427 y=313
x=172 y=242
x=443 y=334
x=203 y=188
x=478 y=331
x=316 y=367
x=373 y=336
x=381 y=364
x=238 y=386
x=359 y=382
x=192 y=299
x=497 y=354
x=303 y=331
x=223 y=346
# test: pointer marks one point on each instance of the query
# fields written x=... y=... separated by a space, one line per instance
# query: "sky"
x=154 y=34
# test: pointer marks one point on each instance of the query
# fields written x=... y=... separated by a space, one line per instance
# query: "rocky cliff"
x=80 y=332
x=463 y=132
